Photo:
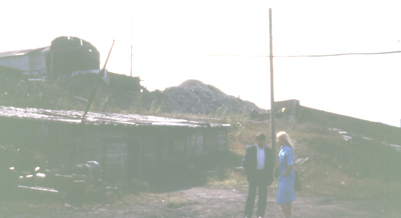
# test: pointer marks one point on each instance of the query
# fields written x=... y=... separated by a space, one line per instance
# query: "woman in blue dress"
x=286 y=173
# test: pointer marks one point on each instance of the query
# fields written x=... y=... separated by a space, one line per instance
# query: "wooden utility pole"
x=100 y=75
x=131 y=52
x=272 y=116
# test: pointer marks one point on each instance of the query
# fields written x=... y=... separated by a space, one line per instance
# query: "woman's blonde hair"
x=286 y=138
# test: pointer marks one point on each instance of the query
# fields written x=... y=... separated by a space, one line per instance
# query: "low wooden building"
x=126 y=145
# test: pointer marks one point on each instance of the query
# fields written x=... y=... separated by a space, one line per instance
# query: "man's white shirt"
x=260 y=158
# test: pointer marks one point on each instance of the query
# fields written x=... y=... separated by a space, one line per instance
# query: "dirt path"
x=205 y=202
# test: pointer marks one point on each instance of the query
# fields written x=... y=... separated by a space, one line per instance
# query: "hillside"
x=342 y=171
x=73 y=92
x=329 y=162
x=193 y=96
x=361 y=167
x=339 y=178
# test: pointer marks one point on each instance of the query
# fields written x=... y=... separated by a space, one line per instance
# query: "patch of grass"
x=360 y=169
x=30 y=205
x=227 y=177
x=177 y=202
x=170 y=199
x=137 y=186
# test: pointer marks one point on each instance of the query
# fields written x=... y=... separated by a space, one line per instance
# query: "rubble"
x=193 y=96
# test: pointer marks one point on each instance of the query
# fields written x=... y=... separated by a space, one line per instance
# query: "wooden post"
x=100 y=76
x=131 y=52
x=272 y=116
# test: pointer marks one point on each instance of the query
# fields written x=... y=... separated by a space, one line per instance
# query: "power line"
x=306 y=56
x=331 y=55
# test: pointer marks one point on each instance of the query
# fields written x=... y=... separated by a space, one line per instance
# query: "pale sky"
x=226 y=44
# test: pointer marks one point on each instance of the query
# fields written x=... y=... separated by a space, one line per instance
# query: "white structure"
x=27 y=62
x=64 y=56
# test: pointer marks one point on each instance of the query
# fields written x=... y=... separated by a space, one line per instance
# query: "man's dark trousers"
x=258 y=179
x=261 y=186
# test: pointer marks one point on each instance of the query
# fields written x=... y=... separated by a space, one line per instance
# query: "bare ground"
x=214 y=202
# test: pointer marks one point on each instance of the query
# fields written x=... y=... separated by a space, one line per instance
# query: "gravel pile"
x=193 y=96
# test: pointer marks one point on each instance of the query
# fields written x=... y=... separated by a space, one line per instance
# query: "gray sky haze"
x=226 y=44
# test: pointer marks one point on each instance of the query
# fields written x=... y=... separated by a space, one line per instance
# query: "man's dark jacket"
x=249 y=162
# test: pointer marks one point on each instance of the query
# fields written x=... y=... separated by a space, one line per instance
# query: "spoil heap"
x=193 y=96
x=72 y=93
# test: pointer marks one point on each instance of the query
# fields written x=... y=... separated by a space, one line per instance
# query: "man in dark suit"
x=258 y=164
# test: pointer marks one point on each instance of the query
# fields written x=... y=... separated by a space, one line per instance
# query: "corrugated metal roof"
x=23 y=52
x=72 y=116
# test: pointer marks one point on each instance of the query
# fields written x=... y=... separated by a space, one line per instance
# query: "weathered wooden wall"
x=123 y=151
